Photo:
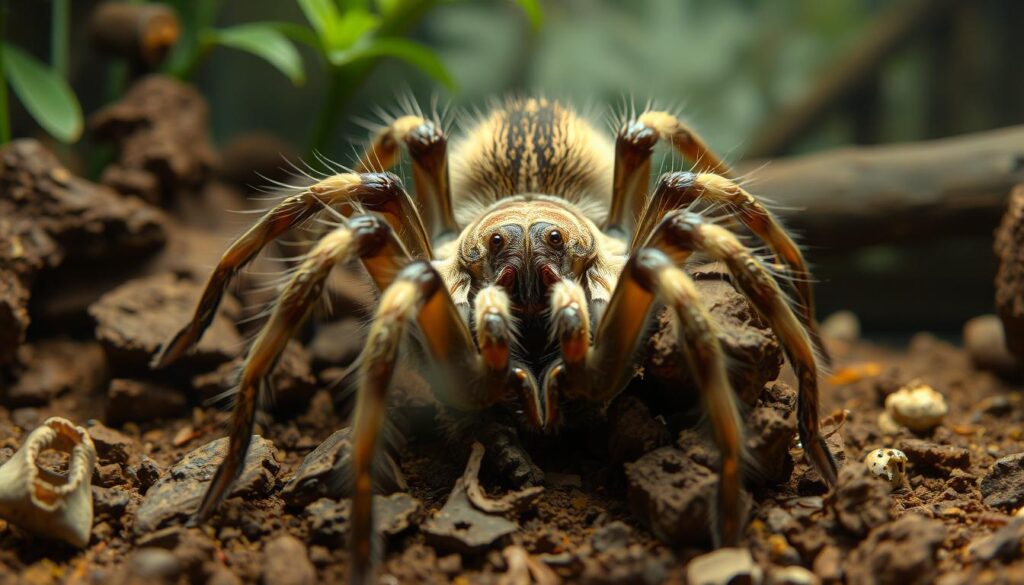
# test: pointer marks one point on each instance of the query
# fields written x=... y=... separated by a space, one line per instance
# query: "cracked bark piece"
x=1003 y=485
x=133 y=320
x=178 y=493
x=322 y=472
x=392 y=514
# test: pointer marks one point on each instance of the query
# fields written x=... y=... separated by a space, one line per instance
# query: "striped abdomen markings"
x=532 y=146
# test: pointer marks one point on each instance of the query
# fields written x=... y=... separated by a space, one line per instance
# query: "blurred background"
x=897 y=233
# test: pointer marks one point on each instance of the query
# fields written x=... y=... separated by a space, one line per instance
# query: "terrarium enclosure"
x=511 y=291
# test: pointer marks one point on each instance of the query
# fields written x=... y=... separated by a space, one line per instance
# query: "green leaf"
x=354 y=26
x=415 y=54
x=323 y=15
x=46 y=96
x=298 y=33
x=533 y=12
x=267 y=43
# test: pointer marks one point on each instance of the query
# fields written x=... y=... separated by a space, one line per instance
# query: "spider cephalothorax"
x=531 y=275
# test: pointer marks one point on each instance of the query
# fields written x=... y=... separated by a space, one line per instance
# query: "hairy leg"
x=680 y=190
x=428 y=148
x=650 y=277
x=633 y=148
x=379 y=192
x=362 y=237
x=682 y=233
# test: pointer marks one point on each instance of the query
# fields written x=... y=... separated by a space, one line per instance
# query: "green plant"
x=42 y=90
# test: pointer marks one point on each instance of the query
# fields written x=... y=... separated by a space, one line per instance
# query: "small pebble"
x=793 y=575
x=724 y=566
x=841 y=326
x=888 y=463
x=917 y=406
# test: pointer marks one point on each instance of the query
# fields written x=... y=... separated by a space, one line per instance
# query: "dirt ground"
x=95 y=276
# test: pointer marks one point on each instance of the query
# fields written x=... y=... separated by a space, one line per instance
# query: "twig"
x=509 y=502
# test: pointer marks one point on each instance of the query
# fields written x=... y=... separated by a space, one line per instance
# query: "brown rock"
x=1003 y=544
x=1009 y=249
x=861 y=500
x=57 y=366
x=672 y=494
x=111 y=446
x=178 y=493
x=133 y=320
x=927 y=456
x=319 y=475
x=771 y=426
x=286 y=562
x=1002 y=486
x=898 y=553
x=754 y=353
x=160 y=130
x=141 y=401
x=633 y=430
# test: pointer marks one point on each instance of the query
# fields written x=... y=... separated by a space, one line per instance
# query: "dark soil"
x=93 y=279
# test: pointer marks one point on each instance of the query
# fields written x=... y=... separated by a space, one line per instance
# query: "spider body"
x=531 y=271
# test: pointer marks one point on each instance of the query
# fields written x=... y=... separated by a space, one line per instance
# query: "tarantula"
x=531 y=275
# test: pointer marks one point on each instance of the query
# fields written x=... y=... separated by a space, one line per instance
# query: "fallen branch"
x=854 y=197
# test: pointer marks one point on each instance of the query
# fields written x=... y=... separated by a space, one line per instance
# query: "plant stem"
x=5 y=120
x=60 y=29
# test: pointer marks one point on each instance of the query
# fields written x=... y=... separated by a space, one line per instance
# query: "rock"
x=889 y=464
x=337 y=344
x=927 y=456
x=916 y=406
x=985 y=342
x=861 y=500
x=754 y=354
x=828 y=564
x=725 y=566
x=897 y=553
x=627 y=564
x=145 y=473
x=142 y=401
x=633 y=430
x=135 y=319
x=1003 y=544
x=319 y=475
x=178 y=493
x=55 y=367
x=110 y=502
x=841 y=326
x=1009 y=249
x=152 y=565
x=392 y=515
x=111 y=446
x=771 y=426
x=14 y=319
x=161 y=133
x=672 y=495
x=506 y=457
x=613 y=535
x=108 y=475
x=292 y=381
x=286 y=562
x=460 y=527
x=793 y=575
x=1002 y=486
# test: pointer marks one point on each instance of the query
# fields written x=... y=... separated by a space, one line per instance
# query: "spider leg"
x=649 y=276
x=380 y=192
x=680 y=190
x=633 y=148
x=428 y=148
x=364 y=237
x=418 y=295
x=682 y=233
